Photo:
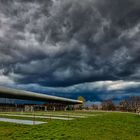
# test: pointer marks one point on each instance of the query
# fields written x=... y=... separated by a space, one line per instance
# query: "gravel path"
x=43 y=117
x=28 y=122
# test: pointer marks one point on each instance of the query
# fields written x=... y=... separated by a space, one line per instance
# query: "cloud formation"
x=59 y=43
x=93 y=91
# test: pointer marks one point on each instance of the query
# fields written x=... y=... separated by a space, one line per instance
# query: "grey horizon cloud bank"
x=61 y=43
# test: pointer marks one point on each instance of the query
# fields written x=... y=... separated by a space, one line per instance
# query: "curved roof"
x=27 y=95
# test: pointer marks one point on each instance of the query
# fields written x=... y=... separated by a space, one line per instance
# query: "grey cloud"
x=62 y=43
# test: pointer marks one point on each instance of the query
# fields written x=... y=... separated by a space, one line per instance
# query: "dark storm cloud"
x=66 y=42
x=93 y=91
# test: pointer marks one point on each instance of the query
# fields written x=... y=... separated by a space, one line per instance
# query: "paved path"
x=43 y=117
x=29 y=122
x=73 y=115
x=65 y=115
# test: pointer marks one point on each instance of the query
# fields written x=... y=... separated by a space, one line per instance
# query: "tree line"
x=131 y=104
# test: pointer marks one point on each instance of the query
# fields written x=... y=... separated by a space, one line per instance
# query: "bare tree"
x=95 y=107
x=131 y=104
x=108 y=105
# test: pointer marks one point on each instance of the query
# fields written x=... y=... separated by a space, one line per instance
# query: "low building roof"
x=28 y=95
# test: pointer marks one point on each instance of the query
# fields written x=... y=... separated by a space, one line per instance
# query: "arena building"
x=48 y=102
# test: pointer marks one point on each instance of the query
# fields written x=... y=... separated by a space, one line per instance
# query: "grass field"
x=96 y=126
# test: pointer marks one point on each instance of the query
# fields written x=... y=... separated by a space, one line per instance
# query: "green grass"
x=106 y=126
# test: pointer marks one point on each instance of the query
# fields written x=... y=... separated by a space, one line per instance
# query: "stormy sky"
x=71 y=47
